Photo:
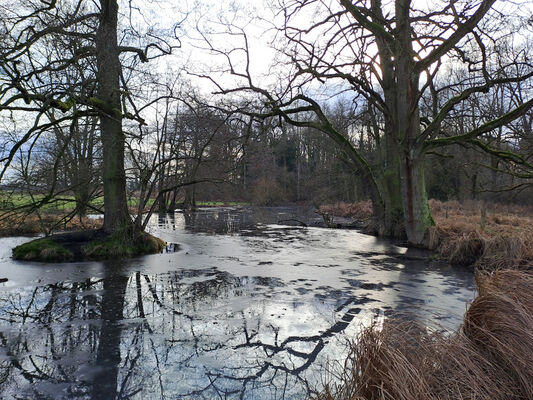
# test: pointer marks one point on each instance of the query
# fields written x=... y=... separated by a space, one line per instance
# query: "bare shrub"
x=25 y=224
x=362 y=210
x=267 y=191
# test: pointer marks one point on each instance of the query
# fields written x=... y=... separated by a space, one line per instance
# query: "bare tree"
x=36 y=79
x=391 y=55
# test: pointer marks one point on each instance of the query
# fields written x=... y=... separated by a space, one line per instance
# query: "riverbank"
x=478 y=234
x=489 y=358
x=56 y=219
x=45 y=222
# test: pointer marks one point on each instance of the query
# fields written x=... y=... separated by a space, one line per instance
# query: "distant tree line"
x=195 y=152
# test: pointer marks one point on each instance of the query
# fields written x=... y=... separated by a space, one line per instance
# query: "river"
x=242 y=307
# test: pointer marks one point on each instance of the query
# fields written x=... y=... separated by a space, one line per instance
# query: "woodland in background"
x=198 y=153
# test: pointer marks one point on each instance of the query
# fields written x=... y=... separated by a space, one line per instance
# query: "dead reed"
x=31 y=224
x=490 y=358
x=486 y=235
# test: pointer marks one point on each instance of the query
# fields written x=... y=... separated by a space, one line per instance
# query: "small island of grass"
x=88 y=245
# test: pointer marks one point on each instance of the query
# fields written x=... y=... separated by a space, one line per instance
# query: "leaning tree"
x=389 y=56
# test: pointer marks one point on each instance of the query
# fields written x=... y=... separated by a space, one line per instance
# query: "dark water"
x=245 y=309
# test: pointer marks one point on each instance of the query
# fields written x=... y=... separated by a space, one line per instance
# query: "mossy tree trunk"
x=401 y=179
x=417 y=214
x=392 y=222
x=416 y=211
x=108 y=75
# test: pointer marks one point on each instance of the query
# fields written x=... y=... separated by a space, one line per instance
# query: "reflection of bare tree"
x=188 y=334
x=108 y=353
x=45 y=340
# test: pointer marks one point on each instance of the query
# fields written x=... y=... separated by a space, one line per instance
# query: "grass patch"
x=123 y=246
x=67 y=202
x=42 y=250
x=221 y=203
x=88 y=245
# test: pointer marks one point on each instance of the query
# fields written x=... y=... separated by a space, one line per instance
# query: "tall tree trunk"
x=393 y=221
x=415 y=202
x=416 y=211
x=108 y=75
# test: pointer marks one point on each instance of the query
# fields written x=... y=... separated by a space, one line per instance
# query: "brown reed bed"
x=33 y=224
x=486 y=235
x=489 y=358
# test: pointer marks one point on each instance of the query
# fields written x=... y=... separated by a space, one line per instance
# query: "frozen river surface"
x=245 y=308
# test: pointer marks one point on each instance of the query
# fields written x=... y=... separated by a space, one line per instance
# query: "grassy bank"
x=55 y=216
x=32 y=224
x=486 y=235
x=490 y=358
x=89 y=245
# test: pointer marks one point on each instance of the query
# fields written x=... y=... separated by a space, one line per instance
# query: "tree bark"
x=116 y=216
x=417 y=214
x=392 y=222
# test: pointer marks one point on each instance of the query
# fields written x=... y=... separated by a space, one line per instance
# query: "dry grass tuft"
x=466 y=250
x=361 y=211
x=491 y=358
x=30 y=224
x=486 y=235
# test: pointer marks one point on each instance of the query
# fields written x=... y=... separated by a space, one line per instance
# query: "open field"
x=67 y=203
x=62 y=203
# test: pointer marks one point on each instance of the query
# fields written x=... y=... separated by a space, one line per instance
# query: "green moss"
x=96 y=102
x=120 y=246
x=66 y=105
x=42 y=250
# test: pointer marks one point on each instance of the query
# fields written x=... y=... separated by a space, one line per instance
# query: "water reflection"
x=108 y=356
x=241 y=220
x=240 y=311
x=163 y=336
